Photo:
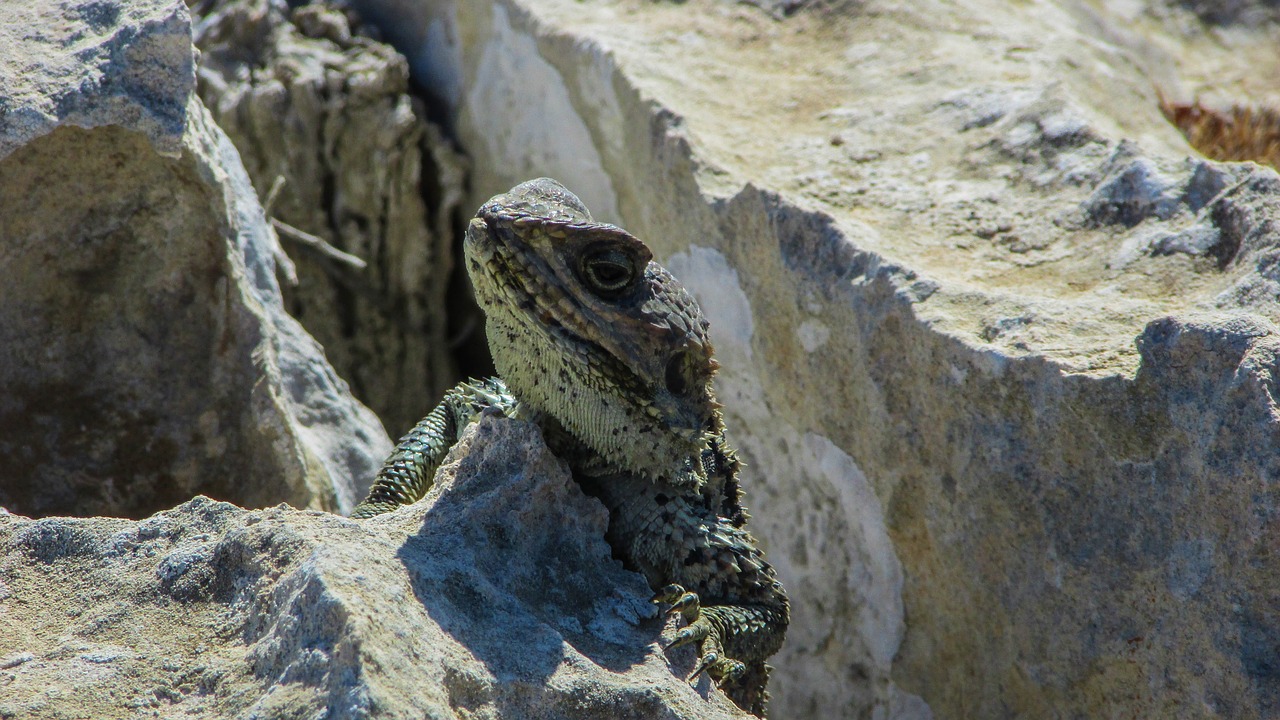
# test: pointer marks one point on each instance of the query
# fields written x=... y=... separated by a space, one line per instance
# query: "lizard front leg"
x=711 y=573
x=734 y=607
x=409 y=471
x=743 y=680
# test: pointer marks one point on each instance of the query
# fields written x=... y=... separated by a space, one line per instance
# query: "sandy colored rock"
x=995 y=340
x=496 y=596
x=309 y=98
x=144 y=353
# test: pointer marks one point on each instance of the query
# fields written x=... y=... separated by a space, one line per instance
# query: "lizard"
x=610 y=356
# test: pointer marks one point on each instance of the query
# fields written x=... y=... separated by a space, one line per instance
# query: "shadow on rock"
x=511 y=561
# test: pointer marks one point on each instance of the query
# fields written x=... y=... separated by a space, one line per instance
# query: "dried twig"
x=269 y=205
x=317 y=245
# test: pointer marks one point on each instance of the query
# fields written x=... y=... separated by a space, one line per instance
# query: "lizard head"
x=586 y=328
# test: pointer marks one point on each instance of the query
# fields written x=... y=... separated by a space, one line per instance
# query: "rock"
x=1232 y=12
x=995 y=343
x=90 y=64
x=144 y=351
x=307 y=96
x=496 y=596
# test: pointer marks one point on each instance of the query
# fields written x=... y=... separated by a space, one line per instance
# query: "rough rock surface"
x=145 y=356
x=995 y=341
x=306 y=97
x=494 y=597
x=88 y=64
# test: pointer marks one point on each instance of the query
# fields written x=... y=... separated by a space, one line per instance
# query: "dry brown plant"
x=1241 y=133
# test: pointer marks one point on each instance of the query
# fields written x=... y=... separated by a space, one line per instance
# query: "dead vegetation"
x=1241 y=133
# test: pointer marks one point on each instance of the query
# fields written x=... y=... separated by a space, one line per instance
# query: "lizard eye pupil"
x=608 y=272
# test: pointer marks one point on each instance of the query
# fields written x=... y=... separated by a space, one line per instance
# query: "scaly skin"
x=407 y=474
x=606 y=351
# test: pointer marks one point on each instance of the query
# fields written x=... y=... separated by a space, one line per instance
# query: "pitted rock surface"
x=455 y=607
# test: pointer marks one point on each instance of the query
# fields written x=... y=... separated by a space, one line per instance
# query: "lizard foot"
x=700 y=629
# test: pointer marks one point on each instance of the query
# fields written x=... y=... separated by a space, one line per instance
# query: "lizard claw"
x=704 y=663
x=696 y=632
x=688 y=606
x=681 y=601
x=722 y=671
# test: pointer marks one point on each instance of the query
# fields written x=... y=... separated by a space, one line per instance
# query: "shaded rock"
x=144 y=353
x=1136 y=192
x=927 y=237
x=308 y=98
x=495 y=596
x=1231 y=12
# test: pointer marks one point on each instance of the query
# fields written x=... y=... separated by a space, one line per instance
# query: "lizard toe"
x=704 y=664
x=723 y=671
x=697 y=632
x=726 y=671
x=668 y=594
x=688 y=606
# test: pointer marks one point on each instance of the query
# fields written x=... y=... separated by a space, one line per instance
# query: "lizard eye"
x=608 y=272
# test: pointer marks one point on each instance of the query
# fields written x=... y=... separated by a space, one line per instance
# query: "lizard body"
x=609 y=354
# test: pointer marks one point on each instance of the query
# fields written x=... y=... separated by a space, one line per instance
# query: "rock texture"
x=996 y=343
x=310 y=99
x=88 y=64
x=494 y=597
x=144 y=353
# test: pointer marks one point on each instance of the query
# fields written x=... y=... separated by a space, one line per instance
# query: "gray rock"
x=144 y=353
x=496 y=596
x=1134 y=192
x=309 y=99
x=86 y=63
x=1232 y=12
x=995 y=344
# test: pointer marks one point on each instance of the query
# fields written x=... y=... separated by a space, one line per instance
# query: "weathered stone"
x=1231 y=12
x=88 y=64
x=308 y=99
x=144 y=353
x=496 y=596
x=927 y=236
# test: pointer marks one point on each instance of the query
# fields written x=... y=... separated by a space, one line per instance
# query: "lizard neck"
x=590 y=467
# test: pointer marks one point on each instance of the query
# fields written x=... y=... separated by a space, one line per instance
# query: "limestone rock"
x=496 y=596
x=88 y=64
x=996 y=344
x=308 y=98
x=145 y=356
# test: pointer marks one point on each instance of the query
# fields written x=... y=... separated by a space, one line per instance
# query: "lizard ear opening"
x=677 y=376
